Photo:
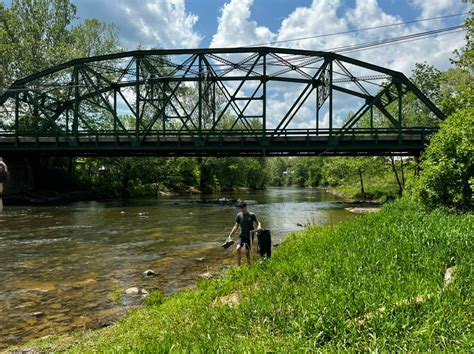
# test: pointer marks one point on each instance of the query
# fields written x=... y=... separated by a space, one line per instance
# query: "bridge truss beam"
x=237 y=101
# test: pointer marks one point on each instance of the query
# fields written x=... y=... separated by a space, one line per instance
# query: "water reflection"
x=59 y=266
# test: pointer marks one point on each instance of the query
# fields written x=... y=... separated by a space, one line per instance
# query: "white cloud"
x=151 y=23
x=435 y=8
x=236 y=29
x=320 y=18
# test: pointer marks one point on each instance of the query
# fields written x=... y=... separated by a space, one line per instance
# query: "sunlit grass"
x=310 y=295
x=381 y=186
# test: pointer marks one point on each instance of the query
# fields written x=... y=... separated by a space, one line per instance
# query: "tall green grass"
x=309 y=295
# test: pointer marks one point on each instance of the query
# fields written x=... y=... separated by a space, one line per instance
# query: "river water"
x=61 y=266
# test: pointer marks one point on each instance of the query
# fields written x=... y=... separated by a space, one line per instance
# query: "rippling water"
x=60 y=266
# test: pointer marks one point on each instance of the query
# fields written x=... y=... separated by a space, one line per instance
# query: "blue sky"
x=225 y=23
x=234 y=23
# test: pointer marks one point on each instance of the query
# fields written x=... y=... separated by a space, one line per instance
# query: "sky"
x=228 y=23
x=233 y=23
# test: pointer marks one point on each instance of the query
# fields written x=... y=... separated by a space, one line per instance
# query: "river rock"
x=201 y=259
x=207 y=275
x=220 y=201
x=449 y=275
x=132 y=291
x=149 y=273
x=144 y=292
x=35 y=314
x=105 y=323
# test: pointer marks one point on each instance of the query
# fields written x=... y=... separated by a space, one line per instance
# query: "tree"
x=457 y=91
x=415 y=113
x=34 y=35
x=447 y=176
x=275 y=170
x=94 y=37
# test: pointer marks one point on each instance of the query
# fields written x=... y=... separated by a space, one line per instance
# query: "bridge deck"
x=216 y=144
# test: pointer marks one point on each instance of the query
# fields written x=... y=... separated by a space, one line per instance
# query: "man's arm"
x=236 y=226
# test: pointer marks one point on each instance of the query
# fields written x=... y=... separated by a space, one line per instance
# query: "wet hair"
x=242 y=205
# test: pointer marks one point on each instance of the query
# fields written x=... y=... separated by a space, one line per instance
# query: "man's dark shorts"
x=243 y=242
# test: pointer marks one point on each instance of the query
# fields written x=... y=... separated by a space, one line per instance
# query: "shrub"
x=447 y=165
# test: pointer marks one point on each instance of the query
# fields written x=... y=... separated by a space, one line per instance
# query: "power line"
x=385 y=41
x=394 y=39
x=358 y=30
x=401 y=42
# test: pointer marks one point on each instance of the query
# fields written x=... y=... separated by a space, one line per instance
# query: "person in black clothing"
x=245 y=220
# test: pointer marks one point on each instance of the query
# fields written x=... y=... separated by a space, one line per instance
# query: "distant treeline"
x=446 y=173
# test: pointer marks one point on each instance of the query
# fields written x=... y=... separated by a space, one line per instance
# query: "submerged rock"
x=132 y=291
x=149 y=273
x=36 y=314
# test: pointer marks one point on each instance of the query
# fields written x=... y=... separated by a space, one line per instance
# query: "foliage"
x=415 y=113
x=465 y=56
x=447 y=176
x=146 y=176
x=35 y=35
x=116 y=293
x=155 y=299
x=276 y=168
x=93 y=37
x=458 y=91
x=343 y=170
x=229 y=173
x=311 y=302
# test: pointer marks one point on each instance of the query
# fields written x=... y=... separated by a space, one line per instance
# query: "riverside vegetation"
x=65 y=39
x=372 y=282
x=342 y=287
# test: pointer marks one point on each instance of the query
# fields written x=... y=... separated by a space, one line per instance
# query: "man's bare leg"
x=239 y=254
x=247 y=254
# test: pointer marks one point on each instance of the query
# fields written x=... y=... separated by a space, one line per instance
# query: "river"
x=60 y=266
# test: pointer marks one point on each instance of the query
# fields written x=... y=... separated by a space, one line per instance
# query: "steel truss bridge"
x=217 y=102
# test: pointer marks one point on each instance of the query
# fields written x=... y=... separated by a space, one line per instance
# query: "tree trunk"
x=361 y=183
x=204 y=176
x=417 y=166
x=403 y=172
x=400 y=187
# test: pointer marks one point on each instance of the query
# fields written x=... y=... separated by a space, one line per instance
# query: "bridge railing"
x=140 y=136
x=233 y=132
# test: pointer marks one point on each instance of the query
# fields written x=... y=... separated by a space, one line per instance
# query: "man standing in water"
x=245 y=220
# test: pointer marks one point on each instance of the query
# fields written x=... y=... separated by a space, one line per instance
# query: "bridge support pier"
x=3 y=177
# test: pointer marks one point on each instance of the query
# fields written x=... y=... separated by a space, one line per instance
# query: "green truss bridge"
x=217 y=102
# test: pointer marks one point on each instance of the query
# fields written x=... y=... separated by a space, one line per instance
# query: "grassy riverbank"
x=374 y=281
x=380 y=186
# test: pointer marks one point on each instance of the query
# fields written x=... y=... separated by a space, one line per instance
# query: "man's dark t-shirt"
x=246 y=222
